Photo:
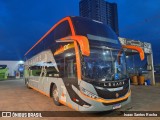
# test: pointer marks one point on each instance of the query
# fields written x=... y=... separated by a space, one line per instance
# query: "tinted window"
x=97 y=33
x=62 y=30
x=84 y=26
x=66 y=63
x=50 y=70
x=3 y=66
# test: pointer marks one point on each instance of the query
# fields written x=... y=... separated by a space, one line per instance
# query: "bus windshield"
x=102 y=65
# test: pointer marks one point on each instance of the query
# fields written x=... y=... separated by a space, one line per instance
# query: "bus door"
x=68 y=71
x=70 y=76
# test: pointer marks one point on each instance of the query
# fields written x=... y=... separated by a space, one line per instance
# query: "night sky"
x=23 y=22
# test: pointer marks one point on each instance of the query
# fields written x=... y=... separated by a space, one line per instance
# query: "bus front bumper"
x=99 y=106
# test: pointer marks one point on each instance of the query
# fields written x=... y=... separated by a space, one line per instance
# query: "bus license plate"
x=116 y=106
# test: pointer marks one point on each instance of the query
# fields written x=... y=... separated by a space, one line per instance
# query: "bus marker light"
x=75 y=99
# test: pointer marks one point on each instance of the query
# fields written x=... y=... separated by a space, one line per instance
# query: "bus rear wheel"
x=55 y=96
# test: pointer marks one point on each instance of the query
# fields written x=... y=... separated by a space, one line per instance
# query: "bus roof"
x=64 y=19
x=71 y=20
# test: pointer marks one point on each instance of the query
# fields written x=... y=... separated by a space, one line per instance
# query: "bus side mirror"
x=82 y=41
x=136 y=48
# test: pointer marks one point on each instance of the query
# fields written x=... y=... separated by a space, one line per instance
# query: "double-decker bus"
x=80 y=63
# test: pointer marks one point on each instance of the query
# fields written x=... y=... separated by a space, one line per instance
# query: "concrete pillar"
x=150 y=68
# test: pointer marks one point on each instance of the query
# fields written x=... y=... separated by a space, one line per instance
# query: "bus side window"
x=35 y=70
x=60 y=64
x=66 y=63
x=70 y=68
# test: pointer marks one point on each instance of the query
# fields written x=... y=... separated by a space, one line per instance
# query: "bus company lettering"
x=114 y=84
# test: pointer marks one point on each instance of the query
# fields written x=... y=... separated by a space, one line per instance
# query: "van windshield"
x=3 y=66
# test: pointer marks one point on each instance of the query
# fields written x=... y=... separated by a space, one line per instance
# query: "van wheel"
x=55 y=95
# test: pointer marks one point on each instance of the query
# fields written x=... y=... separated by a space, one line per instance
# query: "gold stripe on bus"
x=109 y=101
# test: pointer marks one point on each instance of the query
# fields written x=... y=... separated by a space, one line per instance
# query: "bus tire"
x=55 y=95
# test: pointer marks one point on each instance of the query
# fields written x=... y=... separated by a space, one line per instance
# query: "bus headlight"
x=88 y=93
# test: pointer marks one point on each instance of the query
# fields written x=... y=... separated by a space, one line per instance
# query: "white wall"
x=12 y=65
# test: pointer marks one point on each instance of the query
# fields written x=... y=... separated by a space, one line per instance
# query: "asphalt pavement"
x=15 y=96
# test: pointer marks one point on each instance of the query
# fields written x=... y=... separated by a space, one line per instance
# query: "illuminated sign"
x=63 y=48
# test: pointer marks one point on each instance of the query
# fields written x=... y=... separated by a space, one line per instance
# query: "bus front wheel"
x=55 y=95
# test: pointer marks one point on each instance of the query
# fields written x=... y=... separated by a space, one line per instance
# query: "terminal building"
x=147 y=68
x=11 y=69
